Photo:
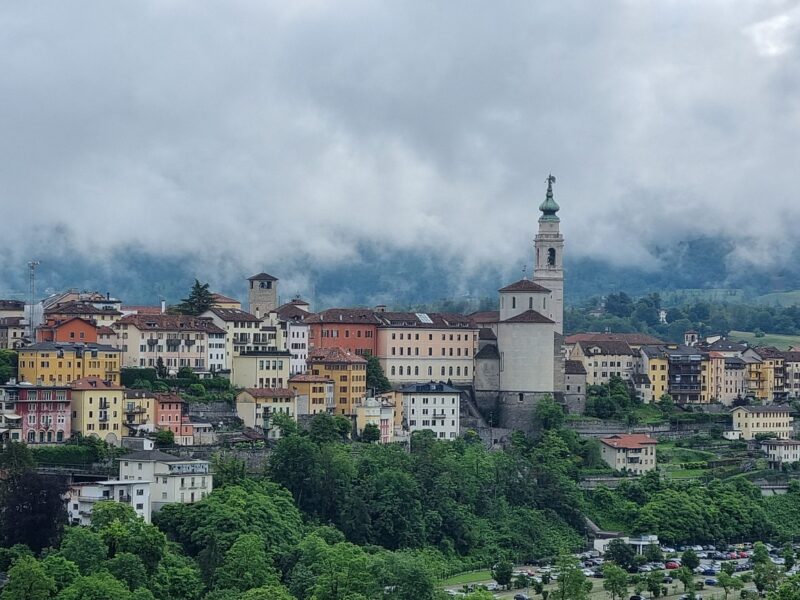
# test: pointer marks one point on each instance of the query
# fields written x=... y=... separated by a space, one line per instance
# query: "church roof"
x=262 y=277
x=525 y=285
x=549 y=207
x=529 y=316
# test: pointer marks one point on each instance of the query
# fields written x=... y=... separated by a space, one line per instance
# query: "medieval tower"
x=263 y=294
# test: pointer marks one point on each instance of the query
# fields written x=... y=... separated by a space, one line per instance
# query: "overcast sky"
x=249 y=133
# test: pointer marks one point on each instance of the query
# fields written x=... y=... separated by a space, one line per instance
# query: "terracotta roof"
x=629 y=441
x=353 y=316
x=488 y=352
x=291 y=312
x=768 y=352
x=105 y=330
x=76 y=307
x=574 y=367
x=333 y=355
x=529 y=316
x=606 y=348
x=142 y=310
x=635 y=339
x=424 y=320
x=234 y=314
x=525 y=285
x=219 y=298
x=309 y=378
x=486 y=334
x=271 y=392
x=70 y=347
x=168 y=397
x=764 y=409
x=93 y=383
x=164 y=322
x=486 y=316
x=262 y=277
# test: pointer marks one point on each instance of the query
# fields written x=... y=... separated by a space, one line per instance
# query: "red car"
x=672 y=565
x=743 y=554
x=733 y=555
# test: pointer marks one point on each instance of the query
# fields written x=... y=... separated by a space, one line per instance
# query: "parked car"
x=667 y=579
x=598 y=574
x=711 y=581
x=687 y=597
x=637 y=597
x=671 y=564
x=588 y=572
x=522 y=597
x=742 y=554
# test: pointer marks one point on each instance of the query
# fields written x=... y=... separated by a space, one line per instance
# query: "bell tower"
x=549 y=246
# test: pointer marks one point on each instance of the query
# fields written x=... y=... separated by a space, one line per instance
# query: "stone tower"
x=549 y=271
x=263 y=294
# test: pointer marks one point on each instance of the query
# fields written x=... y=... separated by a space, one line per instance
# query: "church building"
x=520 y=356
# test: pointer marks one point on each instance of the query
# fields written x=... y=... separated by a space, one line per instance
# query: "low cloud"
x=250 y=134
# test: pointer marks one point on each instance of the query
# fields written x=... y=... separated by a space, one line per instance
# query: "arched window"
x=401 y=369
x=31 y=437
x=430 y=370
x=551 y=257
x=458 y=371
x=416 y=370
x=451 y=371
x=466 y=371
x=393 y=371
x=60 y=436
x=442 y=371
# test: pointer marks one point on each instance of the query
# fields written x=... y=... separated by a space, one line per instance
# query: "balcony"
x=152 y=342
x=173 y=343
x=135 y=410
x=438 y=416
x=188 y=343
x=103 y=404
x=102 y=417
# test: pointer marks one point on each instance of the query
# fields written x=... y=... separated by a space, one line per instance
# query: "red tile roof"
x=219 y=298
x=234 y=314
x=76 y=307
x=525 y=285
x=142 y=310
x=352 y=316
x=167 y=322
x=333 y=355
x=636 y=339
x=271 y=392
x=486 y=316
x=93 y=383
x=309 y=378
x=629 y=441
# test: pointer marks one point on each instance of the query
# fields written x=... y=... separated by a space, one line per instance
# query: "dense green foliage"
x=198 y=301
x=8 y=365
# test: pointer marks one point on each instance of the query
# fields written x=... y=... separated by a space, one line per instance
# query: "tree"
x=105 y=512
x=502 y=572
x=228 y=470
x=653 y=553
x=686 y=577
x=129 y=569
x=284 y=423
x=571 y=583
x=8 y=365
x=32 y=510
x=269 y=592
x=177 y=578
x=788 y=557
x=161 y=369
x=246 y=566
x=615 y=581
x=689 y=559
x=165 y=438
x=760 y=553
x=547 y=414
x=620 y=553
x=63 y=571
x=654 y=583
x=371 y=433
x=28 y=580
x=98 y=586
x=728 y=567
x=16 y=458
x=728 y=582
x=376 y=378
x=85 y=548
x=765 y=576
x=198 y=302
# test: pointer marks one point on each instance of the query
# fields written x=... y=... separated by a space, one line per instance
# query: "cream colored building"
x=139 y=411
x=379 y=412
x=81 y=498
x=246 y=333
x=413 y=347
x=780 y=452
x=261 y=369
x=173 y=480
x=754 y=420
x=606 y=359
x=727 y=377
x=256 y=406
x=98 y=409
x=433 y=406
x=634 y=453
x=178 y=340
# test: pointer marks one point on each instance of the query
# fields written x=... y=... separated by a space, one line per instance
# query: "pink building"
x=169 y=414
x=44 y=411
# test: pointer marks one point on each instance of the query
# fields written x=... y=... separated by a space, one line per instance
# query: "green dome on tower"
x=549 y=207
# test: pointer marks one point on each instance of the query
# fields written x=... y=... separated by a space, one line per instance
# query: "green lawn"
x=780 y=298
x=649 y=414
x=782 y=342
x=465 y=578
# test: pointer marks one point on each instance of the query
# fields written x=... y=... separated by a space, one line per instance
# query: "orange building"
x=348 y=372
x=74 y=329
x=170 y=415
x=352 y=329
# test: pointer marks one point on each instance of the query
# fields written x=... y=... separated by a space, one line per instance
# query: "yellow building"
x=348 y=372
x=256 y=406
x=315 y=393
x=655 y=365
x=755 y=375
x=751 y=421
x=97 y=409
x=139 y=410
x=57 y=363
x=773 y=371
x=378 y=412
x=261 y=369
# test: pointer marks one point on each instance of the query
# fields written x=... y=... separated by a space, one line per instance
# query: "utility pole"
x=32 y=296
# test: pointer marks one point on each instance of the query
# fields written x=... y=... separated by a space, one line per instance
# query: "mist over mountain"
x=398 y=279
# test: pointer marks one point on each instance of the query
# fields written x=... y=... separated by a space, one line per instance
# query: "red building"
x=352 y=329
x=73 y=329
x=170 y=414
x=45 y=412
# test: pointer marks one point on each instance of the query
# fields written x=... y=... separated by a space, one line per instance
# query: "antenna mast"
x=32 y=296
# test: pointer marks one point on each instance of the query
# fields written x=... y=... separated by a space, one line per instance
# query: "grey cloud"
x=252 y=133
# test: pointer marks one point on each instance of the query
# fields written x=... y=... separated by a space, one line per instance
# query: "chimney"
x=380 y=308
x=163 y=306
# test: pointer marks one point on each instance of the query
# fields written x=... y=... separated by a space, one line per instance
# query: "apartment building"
x=60 y=363
x=416 y=347
x=173 y=480
x=781 y=452
x=347 y=370
x=751 y=421
x=433 y=406
x=634 y=453
x=605 y=359
x=293 y=315
x=378 y=412
x=178 y=340
x=36 y=414
x=314 y=393
x=262 y=369
x=354 y=330
x=98 y=312
x=170 y=413
x=82 y=497
x=256 y=407
x=98 y=409
x=13 y=333
x=73 y=329
x=727 y=378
